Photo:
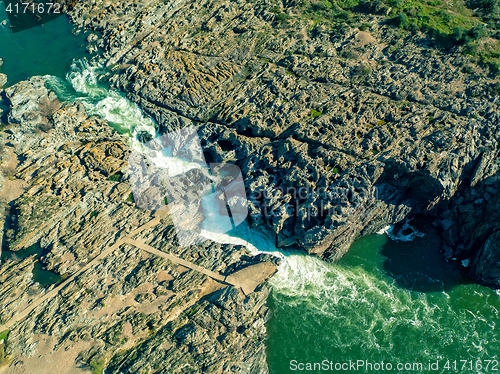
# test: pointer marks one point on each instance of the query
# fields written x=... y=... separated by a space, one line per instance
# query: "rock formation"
x=131 y=309
x=339 y=132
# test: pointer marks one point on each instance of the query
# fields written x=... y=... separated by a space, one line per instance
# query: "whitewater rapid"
x=298 y=275
x=296 y=271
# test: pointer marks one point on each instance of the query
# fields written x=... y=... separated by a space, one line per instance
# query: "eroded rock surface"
x=387 y=124
x=132 y=311
x=338 y=133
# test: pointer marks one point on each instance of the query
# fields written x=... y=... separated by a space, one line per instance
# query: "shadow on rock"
x=418 y=265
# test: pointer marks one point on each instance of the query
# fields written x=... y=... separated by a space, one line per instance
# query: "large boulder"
x=3 y=79
x=25 y=98
x=486 y=264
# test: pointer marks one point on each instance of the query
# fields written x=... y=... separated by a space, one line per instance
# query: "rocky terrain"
x=339 y=129
x=131 y=312
x=339 y=132
x=3 y=77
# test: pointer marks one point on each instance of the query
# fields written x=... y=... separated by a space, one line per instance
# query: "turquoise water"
x=46 y=49
x=366 y=308
x=81 y=84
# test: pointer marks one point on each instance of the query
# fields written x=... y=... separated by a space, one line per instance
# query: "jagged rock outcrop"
x=338 y=132
x=3 y=78
x=131 y=309
x=383 y=124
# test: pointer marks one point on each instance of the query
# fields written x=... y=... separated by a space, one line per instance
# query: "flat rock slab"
x=250 y=277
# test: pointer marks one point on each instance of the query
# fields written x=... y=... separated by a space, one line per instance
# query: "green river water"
x=40 y=275
x=395 y=302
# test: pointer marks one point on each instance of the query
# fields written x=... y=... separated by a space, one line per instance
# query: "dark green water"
x=396 y=302
x=48 y=49
x=44 y=277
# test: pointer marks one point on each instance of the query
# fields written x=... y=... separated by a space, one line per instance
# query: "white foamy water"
x=400 y=236
x=124 y=115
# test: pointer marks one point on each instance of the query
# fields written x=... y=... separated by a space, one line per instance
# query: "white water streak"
x=298 y=275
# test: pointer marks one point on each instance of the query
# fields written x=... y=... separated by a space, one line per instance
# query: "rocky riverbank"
x=132 y=310
x=383 y=121
x=3 y=77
